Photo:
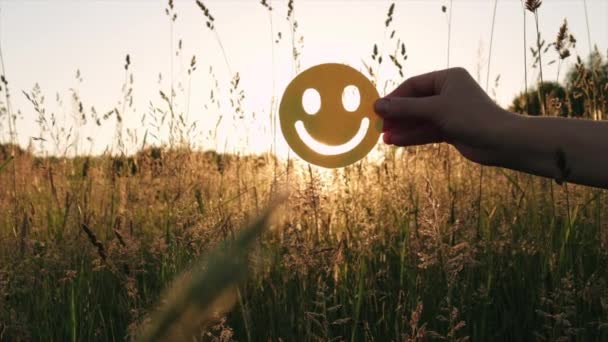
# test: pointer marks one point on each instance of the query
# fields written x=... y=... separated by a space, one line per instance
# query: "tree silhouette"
x=585 y=93
x=530 y=103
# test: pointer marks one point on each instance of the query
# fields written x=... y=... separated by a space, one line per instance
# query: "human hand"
x=444 y=106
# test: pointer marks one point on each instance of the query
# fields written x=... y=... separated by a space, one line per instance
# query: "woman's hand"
x=449 y=106
x=443 y=106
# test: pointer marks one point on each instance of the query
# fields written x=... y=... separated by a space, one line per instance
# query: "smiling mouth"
x=331 y=150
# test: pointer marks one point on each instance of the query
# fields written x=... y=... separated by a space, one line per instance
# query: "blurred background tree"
x=584 y=94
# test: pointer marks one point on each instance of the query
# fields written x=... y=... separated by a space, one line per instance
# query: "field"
x=420 y=245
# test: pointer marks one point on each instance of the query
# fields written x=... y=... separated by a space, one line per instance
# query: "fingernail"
x=387 y=138
x=381 y=106
x=386 y=125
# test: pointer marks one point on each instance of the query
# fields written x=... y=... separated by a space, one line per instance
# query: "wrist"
x=508 y=128
x=521 y=146
x=502 y=137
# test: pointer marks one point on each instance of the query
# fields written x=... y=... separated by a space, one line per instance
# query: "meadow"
x=179 y=243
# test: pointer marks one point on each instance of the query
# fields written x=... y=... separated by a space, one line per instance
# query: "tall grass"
x=156 y=245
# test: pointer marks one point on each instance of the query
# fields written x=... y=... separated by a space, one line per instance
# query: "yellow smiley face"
x=332 y=125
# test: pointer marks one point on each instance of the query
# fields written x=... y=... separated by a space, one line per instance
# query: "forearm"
x=563 y=149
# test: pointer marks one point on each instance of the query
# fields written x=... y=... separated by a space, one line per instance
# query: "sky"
x=45 y=42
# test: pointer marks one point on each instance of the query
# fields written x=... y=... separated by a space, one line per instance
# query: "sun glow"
x=336 y=149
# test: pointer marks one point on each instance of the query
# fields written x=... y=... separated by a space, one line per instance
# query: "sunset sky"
x=45 y=42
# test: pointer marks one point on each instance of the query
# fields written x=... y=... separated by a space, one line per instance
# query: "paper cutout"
x=332 y=124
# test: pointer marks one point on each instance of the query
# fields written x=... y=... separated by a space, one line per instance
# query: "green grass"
x=385 y=250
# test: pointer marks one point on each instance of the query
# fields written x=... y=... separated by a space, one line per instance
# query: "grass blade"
x=6 y=162
x=207 y=290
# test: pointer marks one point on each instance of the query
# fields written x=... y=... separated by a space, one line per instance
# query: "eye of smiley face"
x=333 y=127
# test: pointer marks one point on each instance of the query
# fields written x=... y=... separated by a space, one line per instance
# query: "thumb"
x=423 y=108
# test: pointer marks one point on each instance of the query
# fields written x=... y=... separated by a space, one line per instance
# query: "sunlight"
x=332 y=150
x=351 y=98
x=311 y=101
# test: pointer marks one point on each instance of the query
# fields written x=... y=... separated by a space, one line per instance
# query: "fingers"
x=416 y=108
x=428 y=84
x=418 y=96
x=420 y=136
x=411 y=132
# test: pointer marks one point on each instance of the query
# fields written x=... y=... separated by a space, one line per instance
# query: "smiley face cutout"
x=332 y=126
